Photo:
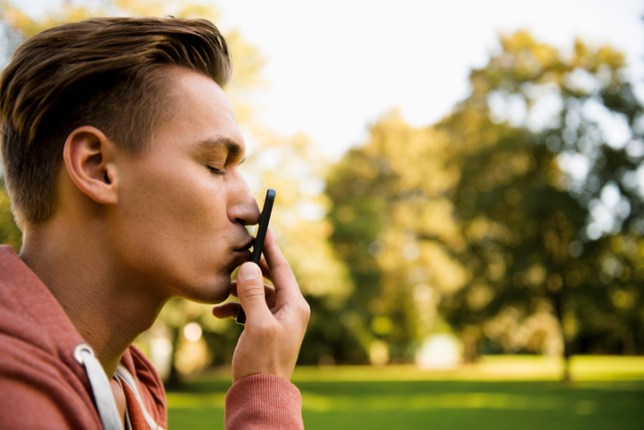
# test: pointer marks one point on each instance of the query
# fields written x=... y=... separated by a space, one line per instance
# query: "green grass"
x=498 y=393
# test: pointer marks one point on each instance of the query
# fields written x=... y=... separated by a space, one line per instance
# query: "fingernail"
x=249 y=272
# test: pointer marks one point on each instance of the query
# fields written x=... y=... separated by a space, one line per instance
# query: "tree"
x=536 y=228
x=391 y=222
x=485 y=213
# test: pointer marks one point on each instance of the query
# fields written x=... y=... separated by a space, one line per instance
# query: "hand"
x=276 y=317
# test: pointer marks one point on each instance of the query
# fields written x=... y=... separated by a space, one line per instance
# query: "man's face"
x=179 y=225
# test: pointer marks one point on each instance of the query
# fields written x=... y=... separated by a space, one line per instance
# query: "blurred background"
x=456 y=180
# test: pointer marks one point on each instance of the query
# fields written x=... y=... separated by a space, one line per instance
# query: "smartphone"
x=258 y=245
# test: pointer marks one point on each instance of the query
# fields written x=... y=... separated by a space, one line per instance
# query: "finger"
x=270 y=296
x=281 y=273
x=227 y=310
x=269 y=292
x=287 y=291
x=251 y=292
x=266 y=271
x=270 y=302
x=231 y=309
x=233 y=288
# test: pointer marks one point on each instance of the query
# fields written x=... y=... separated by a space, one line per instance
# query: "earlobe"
x=88 y=157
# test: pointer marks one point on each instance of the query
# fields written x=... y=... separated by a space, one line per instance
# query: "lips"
x=243 y=252
x=246 y=247
x=240 y=254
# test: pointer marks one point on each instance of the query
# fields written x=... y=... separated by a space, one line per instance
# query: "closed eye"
x=215 y=170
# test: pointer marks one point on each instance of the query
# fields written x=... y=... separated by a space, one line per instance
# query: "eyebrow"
x=233 y=148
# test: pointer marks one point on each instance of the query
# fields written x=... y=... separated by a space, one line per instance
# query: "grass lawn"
x=506 y=392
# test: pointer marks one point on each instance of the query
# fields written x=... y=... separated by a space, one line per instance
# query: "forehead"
x=198 y=110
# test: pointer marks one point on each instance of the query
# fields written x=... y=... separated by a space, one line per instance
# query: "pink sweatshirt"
x=43 y=386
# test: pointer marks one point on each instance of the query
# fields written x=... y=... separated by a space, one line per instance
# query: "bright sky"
x=335 y=66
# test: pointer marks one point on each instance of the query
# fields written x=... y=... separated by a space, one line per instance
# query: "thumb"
x=250 y=290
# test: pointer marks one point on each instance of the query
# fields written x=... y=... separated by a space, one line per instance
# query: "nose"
x=243 y=208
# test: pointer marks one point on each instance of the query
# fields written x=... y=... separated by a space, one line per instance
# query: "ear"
x=89 y=155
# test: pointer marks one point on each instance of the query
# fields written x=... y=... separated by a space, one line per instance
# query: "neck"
x=107 y=307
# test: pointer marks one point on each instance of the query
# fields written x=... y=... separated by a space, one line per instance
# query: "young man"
x=121 y=156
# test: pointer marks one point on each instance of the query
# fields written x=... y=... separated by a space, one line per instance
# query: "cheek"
x=174 y=204
x=187 y=209
x=183 y=215
x=169 y=227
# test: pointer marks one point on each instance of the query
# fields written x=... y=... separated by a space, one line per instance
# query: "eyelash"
x=215 y=171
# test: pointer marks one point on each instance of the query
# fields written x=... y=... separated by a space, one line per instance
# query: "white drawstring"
x=126 y=377
x=101 y=389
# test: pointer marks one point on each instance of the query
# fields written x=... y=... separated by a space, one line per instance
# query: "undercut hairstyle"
x=103 y=72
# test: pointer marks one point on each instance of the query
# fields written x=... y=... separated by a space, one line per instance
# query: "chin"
x=212 y=293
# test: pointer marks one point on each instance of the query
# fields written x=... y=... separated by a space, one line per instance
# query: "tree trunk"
x=558 y=303
x=471 y=351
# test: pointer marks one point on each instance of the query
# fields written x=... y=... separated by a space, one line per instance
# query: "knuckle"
x=253 y=292
x=305 y=310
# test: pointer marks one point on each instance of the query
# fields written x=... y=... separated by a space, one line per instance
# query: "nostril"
x=246 y=216
x=243 y=222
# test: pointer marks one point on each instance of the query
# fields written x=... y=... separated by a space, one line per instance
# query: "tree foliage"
x=391 y=222
x=550 y=148
x=9 y=232
x=520 y=213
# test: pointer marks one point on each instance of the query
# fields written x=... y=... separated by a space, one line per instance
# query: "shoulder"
x=39 y=388
x=37 y=368
x=30 y=316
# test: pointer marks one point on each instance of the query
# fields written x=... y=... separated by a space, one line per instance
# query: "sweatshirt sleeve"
x=263 y=402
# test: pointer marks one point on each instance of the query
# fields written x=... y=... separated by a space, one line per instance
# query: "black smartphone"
x=262 y=228
x=260 y=236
